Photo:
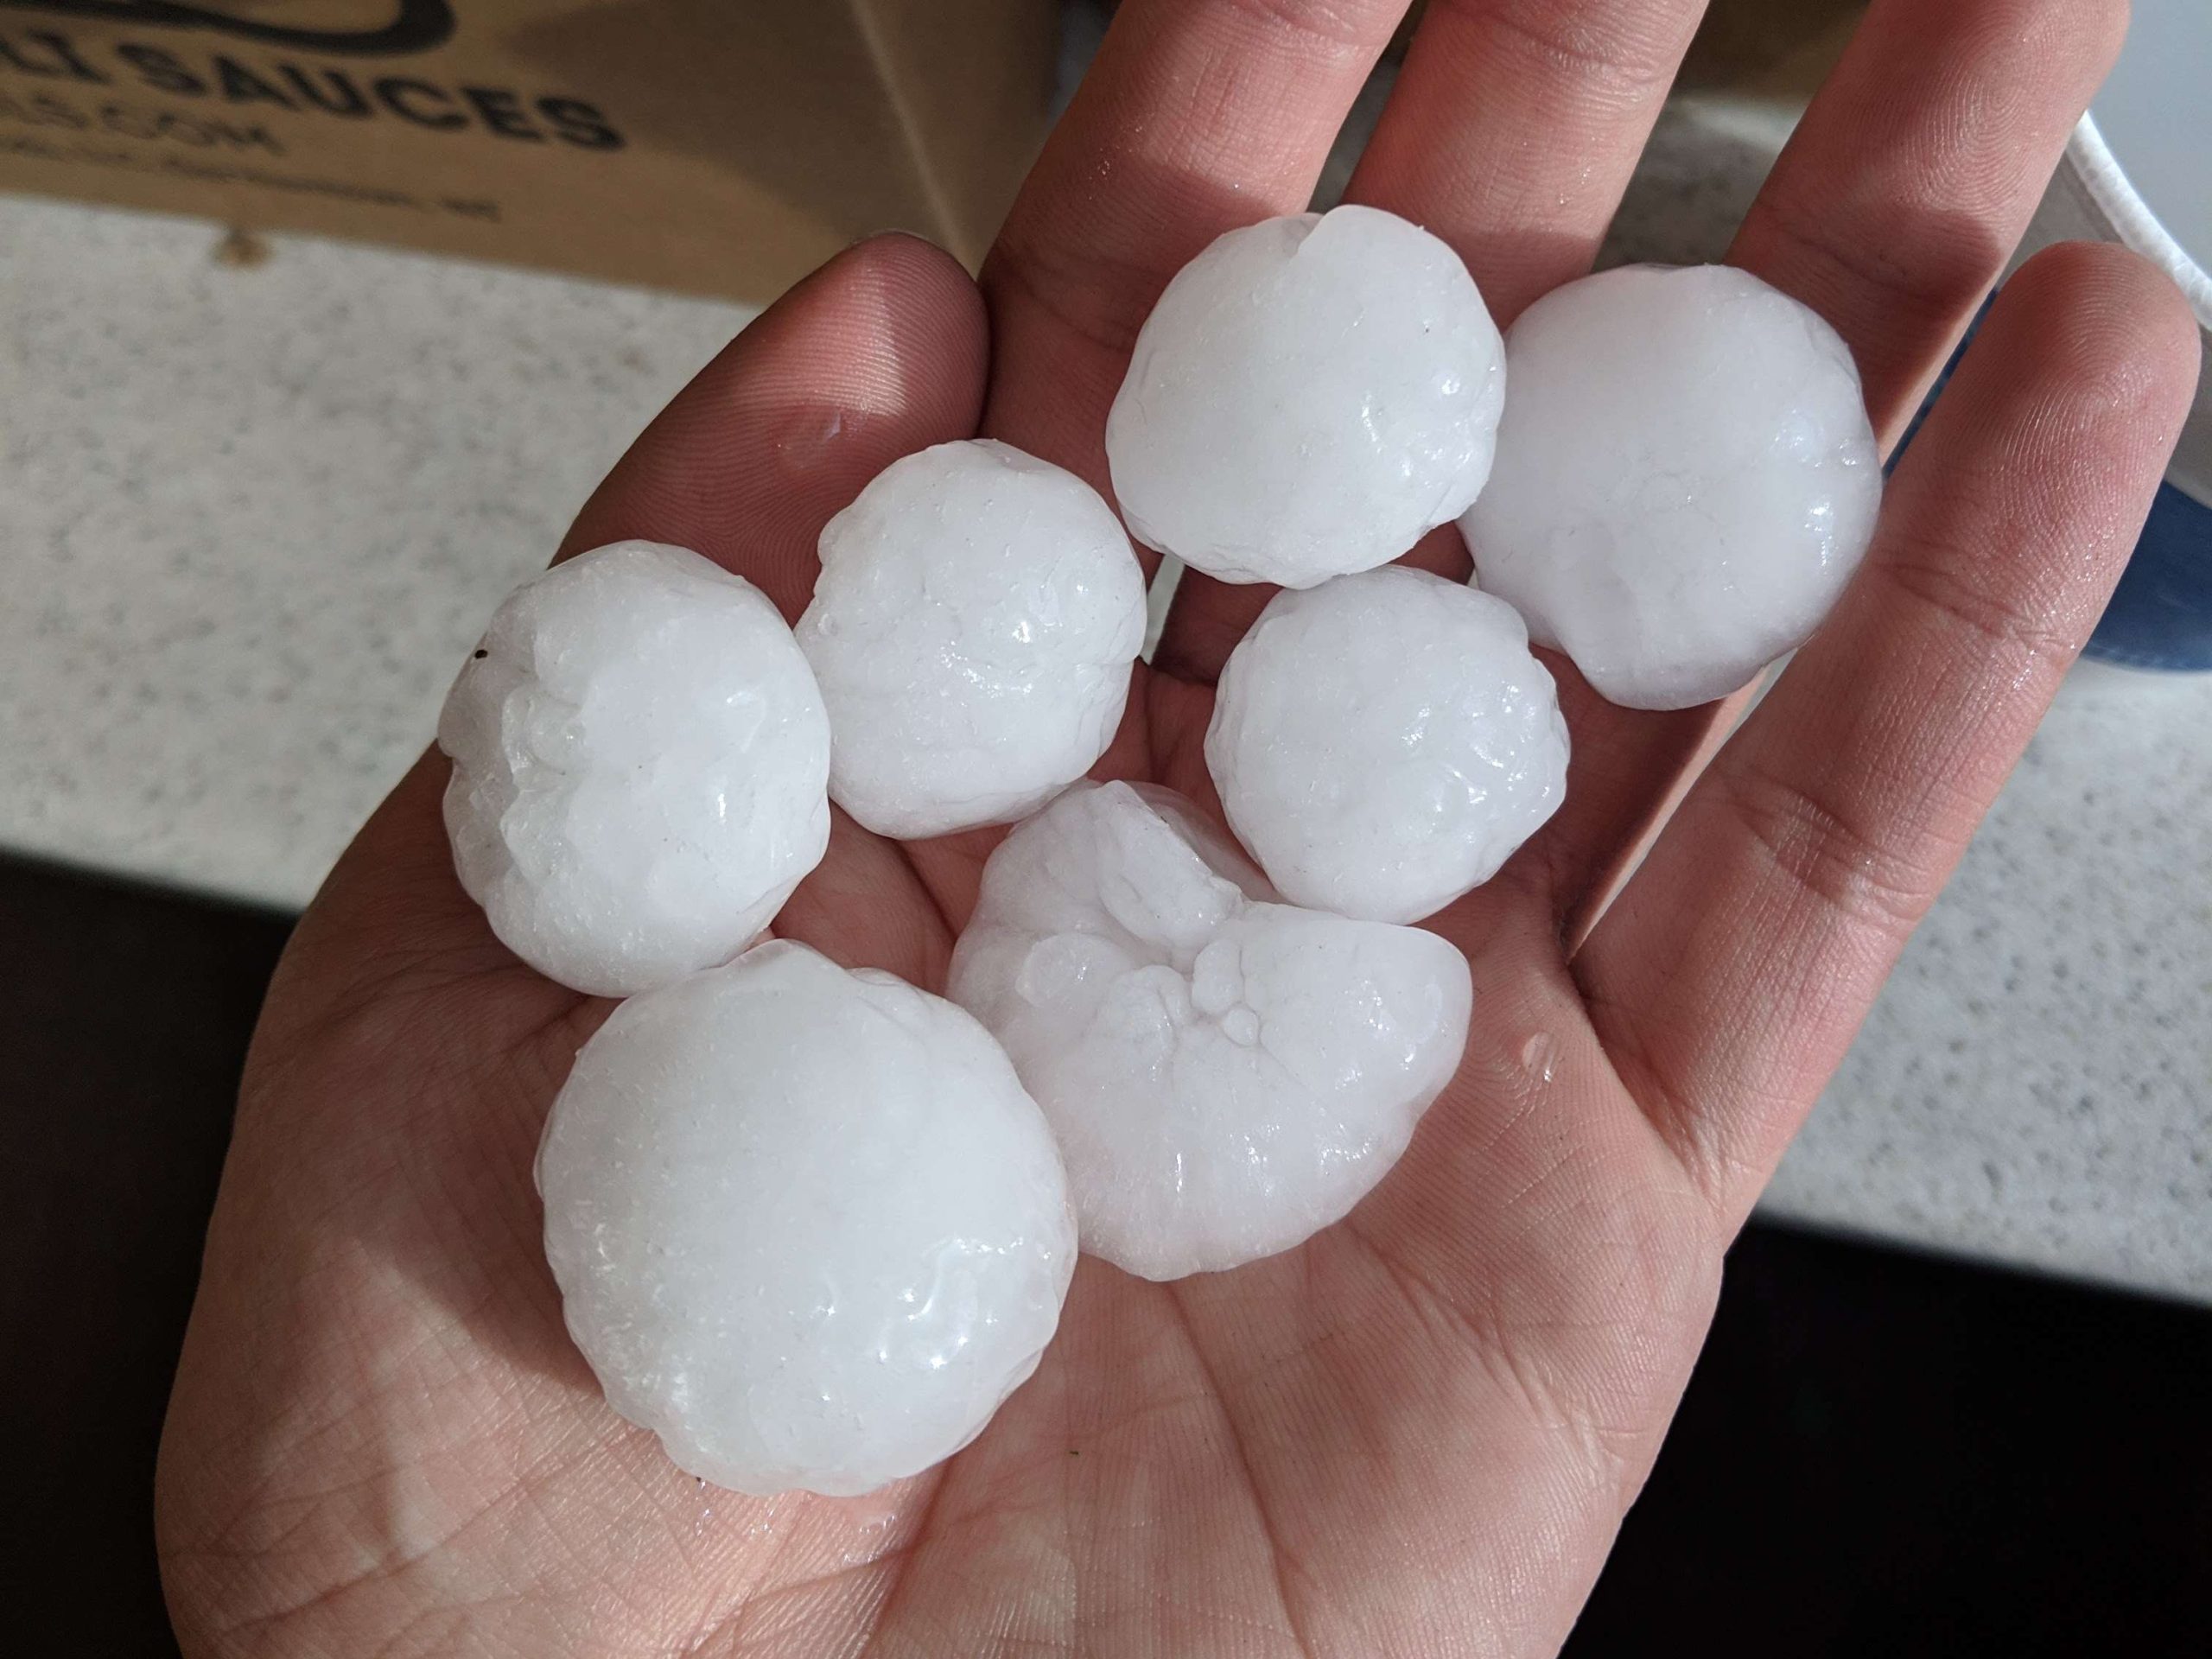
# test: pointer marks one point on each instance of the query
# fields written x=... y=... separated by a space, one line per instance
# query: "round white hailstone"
x=1382 y=743
x=1310 y=396
x=1686 y=480
x=1226 y=1074
x=972 y=630
x=807 y=1227
x=641 y=766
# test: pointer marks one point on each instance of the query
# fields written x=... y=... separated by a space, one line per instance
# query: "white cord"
x=2131 y=217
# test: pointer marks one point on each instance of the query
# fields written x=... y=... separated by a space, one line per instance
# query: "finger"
x=1197 y=117
x=1514 y=128
x=1511 y=133
x=1732 y=972
x=1916 y=171
x=879 y=354
x=1893 y=209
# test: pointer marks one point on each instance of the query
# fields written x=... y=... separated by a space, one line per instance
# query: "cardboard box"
x=721 y=146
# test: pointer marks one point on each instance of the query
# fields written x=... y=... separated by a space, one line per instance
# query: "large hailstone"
x=1226 y=1074
x=1382 y=743
x=1309 y=397
x=1686 y=480
x=972 y=630
x=640 y=763
x=808 y=1228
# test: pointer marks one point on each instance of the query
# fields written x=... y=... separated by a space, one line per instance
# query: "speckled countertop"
x=251 y=515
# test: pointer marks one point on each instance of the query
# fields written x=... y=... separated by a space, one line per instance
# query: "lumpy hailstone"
x=1382 y=743
x=1686 y=480
x=641 y=766
x=807 y=1227
x=1309 y=397
x=1226 y=1074
x=972 y=629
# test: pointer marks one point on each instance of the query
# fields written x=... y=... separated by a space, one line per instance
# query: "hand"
x=1418 y=1432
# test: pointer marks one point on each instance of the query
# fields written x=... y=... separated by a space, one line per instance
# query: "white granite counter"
x=251 y=517
x=2036 y=1083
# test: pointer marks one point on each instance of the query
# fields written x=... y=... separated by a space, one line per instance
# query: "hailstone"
x=1226 y=1074
x=1309 y=397
x=972 y=629
x=1687 y=478
x=1382 y=743
x=641 y=766
x=807 y=1227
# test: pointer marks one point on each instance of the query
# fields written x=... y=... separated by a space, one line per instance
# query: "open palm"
x=1418 y=1431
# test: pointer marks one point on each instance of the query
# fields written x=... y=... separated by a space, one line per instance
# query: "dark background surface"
x=1881 y=1454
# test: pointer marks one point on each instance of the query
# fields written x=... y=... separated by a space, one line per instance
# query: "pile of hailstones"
x=812 y=1225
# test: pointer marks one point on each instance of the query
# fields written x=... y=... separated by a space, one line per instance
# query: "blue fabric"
x=2161 y=614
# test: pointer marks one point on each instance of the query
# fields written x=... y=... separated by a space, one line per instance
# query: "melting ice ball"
x=1384 y=742
x=1309 y=397
x=1226 y=1074
x=807 y=1227
x=639 y=766
x=1686 y=480
x=972 y=630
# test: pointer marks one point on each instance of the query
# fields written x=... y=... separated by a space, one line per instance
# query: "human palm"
x=1418 y=1432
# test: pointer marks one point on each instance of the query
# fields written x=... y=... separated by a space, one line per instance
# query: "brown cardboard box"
x=722 y=146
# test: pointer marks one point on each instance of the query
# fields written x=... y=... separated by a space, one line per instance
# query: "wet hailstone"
x=1226 y=1074
x=640 y=762
x=1382 y=743
x=807 y=1226
x=1310 y=396
x=972 y=629
x=1686 y=480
